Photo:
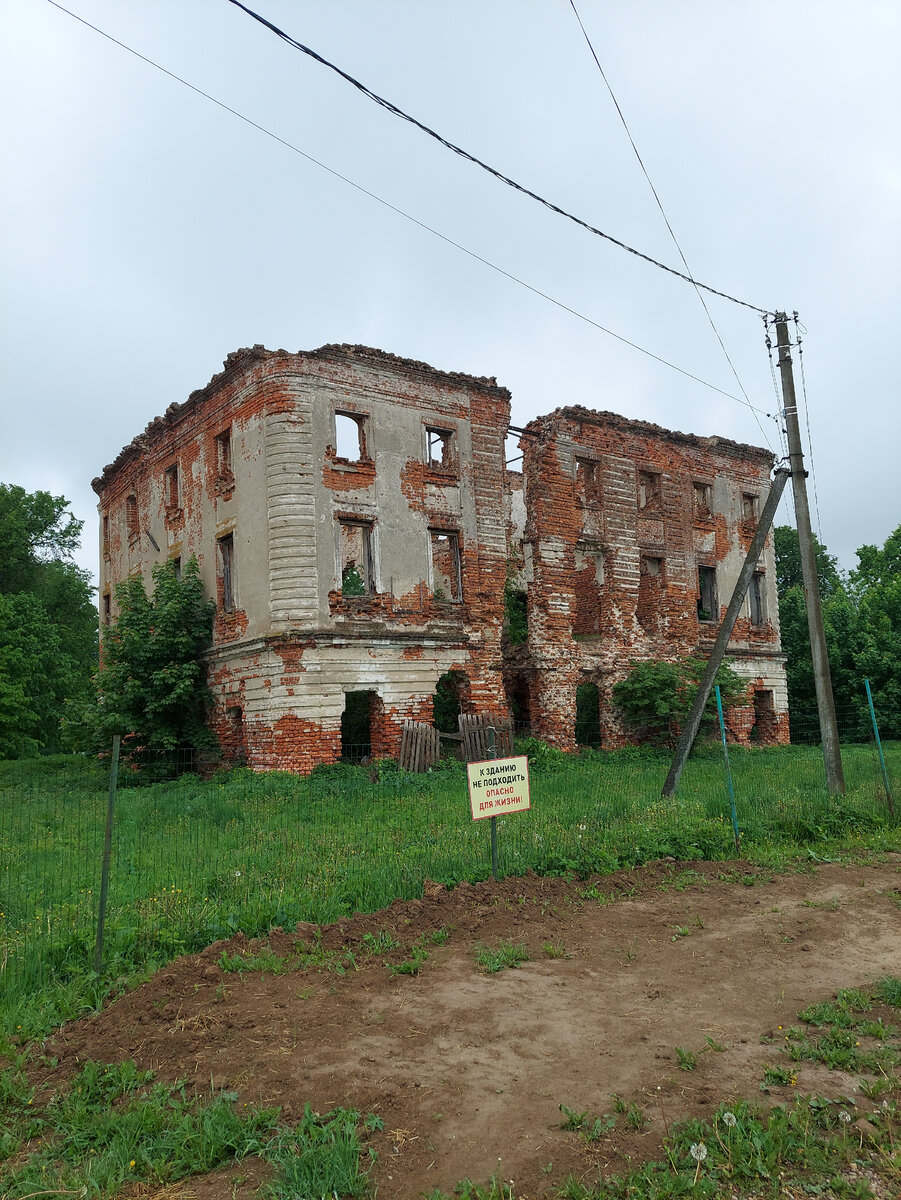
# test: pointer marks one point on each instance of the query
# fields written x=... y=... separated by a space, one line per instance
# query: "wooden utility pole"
x=835 y=778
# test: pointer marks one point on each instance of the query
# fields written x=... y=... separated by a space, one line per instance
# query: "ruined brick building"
x=351 y=512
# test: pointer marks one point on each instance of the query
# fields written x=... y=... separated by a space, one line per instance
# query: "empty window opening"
x=588 y=715
x=703 y=499
x=587 y=482
x=516 y=615
x=588 y=583
x=439 y=447
x=445 y=565
x=648 y=490
x=748 y=507
x=233 y=738
x=519 y=700
x=447 y=702
x=513 y=455
x=107 y=608
x=355 y=558
x=708 y=605
x=757 y=598
x=176 y=566
x=226 y=548
x=171 y=487
x=224 y=455
x=765 y=726
x=356 y=725
x=650 y=590
x=350 y=437
x=131 y=517
x=106 y=536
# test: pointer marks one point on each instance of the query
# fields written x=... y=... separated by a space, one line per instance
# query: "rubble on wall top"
x=247 y=355
x=579 y=414
x=345 y=350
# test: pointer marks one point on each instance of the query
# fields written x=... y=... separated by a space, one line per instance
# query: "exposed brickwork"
x=620 y=516
x=380 y=573
x=275 y=516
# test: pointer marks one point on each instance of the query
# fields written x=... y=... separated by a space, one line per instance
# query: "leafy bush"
x=539 y=753
x=656 y=697
x=516 y=619
x=152 y=686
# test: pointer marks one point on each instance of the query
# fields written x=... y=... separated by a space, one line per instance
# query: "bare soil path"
x=468 y=1070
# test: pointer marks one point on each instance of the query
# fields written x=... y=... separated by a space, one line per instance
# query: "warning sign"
x=498 y=786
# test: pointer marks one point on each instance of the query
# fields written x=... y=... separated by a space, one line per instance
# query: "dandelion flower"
x=729 y=1119
x=698 y=1151
x=844 y=1116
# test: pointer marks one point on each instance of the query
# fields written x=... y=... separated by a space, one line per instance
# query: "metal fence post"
x=719 y=707
x=107 y=855
x=888 y=790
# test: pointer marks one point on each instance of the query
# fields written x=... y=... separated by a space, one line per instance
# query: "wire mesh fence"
x=197 y=855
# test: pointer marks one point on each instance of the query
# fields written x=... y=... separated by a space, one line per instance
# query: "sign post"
x=492 y=753
x=498 y=785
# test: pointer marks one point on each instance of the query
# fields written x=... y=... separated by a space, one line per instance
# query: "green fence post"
x=107 y=855
x=888 y=790
x=719 y=708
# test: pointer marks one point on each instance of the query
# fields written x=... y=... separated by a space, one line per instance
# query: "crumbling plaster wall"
x=605 y=530
x=614 y=539
x=153 y=531
x=293 y=645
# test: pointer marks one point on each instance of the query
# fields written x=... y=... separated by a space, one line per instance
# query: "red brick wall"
x=599 y=481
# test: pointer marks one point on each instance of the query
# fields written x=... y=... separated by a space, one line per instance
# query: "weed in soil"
x=507 y=953
x=412 y=965
x=555 y=950
x=380 y=943
x=688 y=1061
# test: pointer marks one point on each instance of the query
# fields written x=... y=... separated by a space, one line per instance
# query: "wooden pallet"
x=420 y=746
x=476 y=742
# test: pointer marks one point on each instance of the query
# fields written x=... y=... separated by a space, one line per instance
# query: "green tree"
x=48 y=622
x=788 y=563
x=35 y=528
x=862 y=623
x=655 y=697
x=151 y=687
x=838 y=623
x=876 y=567
x=516 y=614
x=876 y=586
x=35 y=677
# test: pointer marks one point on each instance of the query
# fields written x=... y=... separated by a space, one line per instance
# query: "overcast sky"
x=146 y=232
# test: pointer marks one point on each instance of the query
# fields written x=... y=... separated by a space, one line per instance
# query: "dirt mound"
x=468 y=1069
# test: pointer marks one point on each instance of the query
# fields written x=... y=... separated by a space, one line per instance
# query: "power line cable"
x=813 y=473
x=405 y=116
x=395 y=209
x=666 y=219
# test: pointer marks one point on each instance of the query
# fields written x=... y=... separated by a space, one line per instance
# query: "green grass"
x=555 y=950
x=506 y=953
x=114 y=1126
x=843 y=1035
x=196 y=860
x=806 y=1143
